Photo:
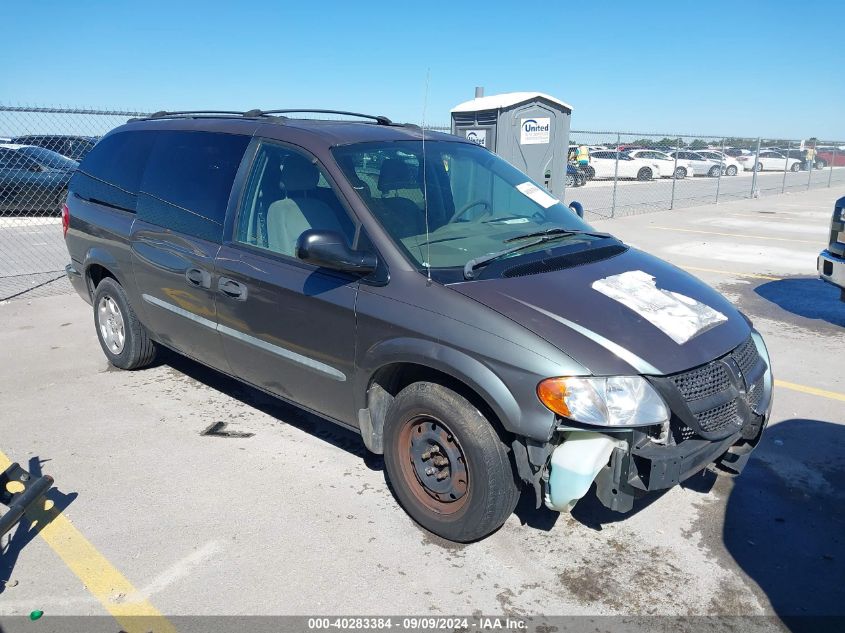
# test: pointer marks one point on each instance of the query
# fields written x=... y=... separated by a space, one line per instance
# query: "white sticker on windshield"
x=537 y=195
x=678 y=316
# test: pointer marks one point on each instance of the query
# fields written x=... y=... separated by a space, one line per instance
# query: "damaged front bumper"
x=719 y=412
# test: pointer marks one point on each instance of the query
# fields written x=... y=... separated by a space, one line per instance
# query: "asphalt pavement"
x=294 y=516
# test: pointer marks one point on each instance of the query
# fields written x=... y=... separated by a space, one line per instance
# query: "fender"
x=535 y=422
x=97 y=255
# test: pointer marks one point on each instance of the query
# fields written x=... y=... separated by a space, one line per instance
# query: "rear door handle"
x=198 y=277
x=232 y=288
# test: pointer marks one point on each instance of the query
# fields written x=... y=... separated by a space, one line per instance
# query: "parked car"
x=575 y=177
x=831 y=261
x=603 y=165
x=830 y=157
x=702 y=166
x=730 y=166
x=32 y=179
x=667 y=165
x=456 y=332
x=73 y=147
x=770 y=160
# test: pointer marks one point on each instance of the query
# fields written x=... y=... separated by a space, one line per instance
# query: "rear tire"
x=820 y=164
x=124 y=340
x=589 y=172
x=446 y=464
x=680 y=173
x=570 y=180
x=714 y=171
x=795 y=167
x=731 y=170
x=758 y=167
x=644 y=174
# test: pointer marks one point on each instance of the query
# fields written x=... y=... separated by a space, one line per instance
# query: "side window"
x=111 y=173
x=188 y=179
x=287 y=194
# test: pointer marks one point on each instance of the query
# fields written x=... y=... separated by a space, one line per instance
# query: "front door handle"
x=232 y=288
x=198 y=277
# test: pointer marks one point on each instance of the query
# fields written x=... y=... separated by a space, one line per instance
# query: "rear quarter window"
x=188 y=179
x=111 y=172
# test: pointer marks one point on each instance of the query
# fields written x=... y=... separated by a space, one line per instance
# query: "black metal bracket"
x=19 y=500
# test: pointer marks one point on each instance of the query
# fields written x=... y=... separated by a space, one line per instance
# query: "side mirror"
x=328 y=249
x=577 y=208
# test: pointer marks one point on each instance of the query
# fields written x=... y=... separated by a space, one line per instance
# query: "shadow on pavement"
x=30 y=525
x=805 y=297
x=289 y=414
x=784 y=522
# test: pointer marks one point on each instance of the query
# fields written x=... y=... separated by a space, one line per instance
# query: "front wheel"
x=124 y=340
x=731 y=170
x=644 y=174
x=589 y=172
x=446 y=464
x=714 y=171
x=680 y=173
x=758 y=167
x=820 y=164
x=570 y=180
x=795 y=167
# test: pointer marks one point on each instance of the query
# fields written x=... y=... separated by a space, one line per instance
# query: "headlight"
x=610 y=401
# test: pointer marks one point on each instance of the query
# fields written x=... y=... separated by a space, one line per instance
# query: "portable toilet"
x=528 y=129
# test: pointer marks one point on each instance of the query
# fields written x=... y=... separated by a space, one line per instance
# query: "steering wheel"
x=462 y=211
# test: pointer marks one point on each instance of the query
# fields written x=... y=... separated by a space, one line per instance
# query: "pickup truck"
x=831 y=262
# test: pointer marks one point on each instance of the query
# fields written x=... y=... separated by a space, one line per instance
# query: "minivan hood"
x=604 y=334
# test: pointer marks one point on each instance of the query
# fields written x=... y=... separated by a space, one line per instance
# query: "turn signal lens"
x=552 y=393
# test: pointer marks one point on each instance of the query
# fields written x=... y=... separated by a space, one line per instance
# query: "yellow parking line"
x=751 y=237
x=98 y=575
x=730 y=272
x=810 y=390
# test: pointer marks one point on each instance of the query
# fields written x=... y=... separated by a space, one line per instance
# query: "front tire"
x=681 y=173
x=758 y=167
x=795 y=167
x=124 y=340
x=570 y=180
x=731 y=170
x=714 y=171
x=446 y=464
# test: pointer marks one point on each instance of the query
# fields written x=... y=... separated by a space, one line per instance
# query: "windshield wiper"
x=555 y=232
x=552 y=234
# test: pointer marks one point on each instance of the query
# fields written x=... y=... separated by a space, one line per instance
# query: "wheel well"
x=96 y=273
x=389 y=380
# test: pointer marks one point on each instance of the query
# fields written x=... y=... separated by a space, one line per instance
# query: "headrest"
x=397 y=174
x=299 y=174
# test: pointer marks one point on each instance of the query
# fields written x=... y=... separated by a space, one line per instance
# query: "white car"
x=769 y=160
x=665 y=163
x=702 y=165
x=730 y=166
x=603 y=165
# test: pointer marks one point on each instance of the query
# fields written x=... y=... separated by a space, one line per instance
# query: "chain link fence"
x=620 y=173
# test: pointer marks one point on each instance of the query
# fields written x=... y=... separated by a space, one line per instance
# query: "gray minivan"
x=418 y=289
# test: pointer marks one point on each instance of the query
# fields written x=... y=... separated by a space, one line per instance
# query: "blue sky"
x=706 y=67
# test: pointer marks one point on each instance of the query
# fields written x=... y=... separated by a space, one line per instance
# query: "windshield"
x=48 y=158
x=477 y=202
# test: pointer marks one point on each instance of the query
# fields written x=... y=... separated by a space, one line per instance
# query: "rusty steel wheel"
x=446 y=464
x=433 y=465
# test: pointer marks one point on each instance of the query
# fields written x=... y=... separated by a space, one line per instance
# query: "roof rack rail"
x=381 y=120
x=256 y=114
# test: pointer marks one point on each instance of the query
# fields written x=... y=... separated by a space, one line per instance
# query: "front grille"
x=703 y=382
x=721 y=418
x=722 y=394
